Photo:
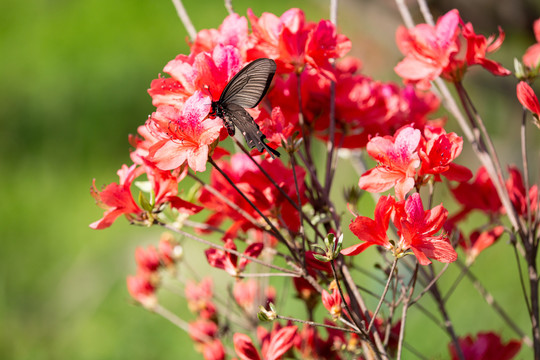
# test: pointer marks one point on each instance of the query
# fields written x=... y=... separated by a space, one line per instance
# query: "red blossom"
x=244 y=347
x=373 y=232
x=416 y=228
x=140 y=287
x=478 y=47
x=478 y=195
x=197 y=72
x=184 y=135
x=199 y=297
x=479 y=241
x=332 y=302
x=518 y=194
x=428 y=50
x=532 y=56
x=397 y=159
x=213 y=350
x=117 y=198
x=228 y=261
x=203 y=331
x=292 y=42
x=147 y=259
x=431 y=52
x=527 y=98
x=438 y=152
x=249 y=295
x=486 y=345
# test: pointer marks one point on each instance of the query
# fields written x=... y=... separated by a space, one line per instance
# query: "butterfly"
x=245 y=91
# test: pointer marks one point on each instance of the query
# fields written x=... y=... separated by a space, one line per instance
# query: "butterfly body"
x=245 y=90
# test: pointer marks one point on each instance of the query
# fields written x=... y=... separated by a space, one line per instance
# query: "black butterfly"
x=245 y=90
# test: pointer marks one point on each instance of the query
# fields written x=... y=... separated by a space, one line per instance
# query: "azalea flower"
x=428 y=50
x=486 y=345
x=184 y=136
x=228 y=261
x=141 y=289
x=274 y=345
x=479 y=241
x=208 y=71
x=117 y=199
x=532 y=56
x=397 y=159
x=416 y=230
x=292 y=42
x=527 y=98
x=438 y=151
x=519 y=196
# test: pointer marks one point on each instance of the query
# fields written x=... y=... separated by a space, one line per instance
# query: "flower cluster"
x=280 y=214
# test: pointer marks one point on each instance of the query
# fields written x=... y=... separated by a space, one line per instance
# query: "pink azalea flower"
x=184 y=135
x=428 y=50
x=397 y=159
x=211 y=71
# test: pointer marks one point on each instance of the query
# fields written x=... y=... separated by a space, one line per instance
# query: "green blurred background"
x=74 y=76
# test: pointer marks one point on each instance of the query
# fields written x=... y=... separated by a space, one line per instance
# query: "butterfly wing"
x=237 y=115
x=248 y=87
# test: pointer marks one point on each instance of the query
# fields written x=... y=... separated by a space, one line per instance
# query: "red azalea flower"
x=428 y=50
x=184 y=135
x=332 y=302
x=527 y=98
x=213 y=350
x=141 y=288
x=203 y=331
x=373 y=232
x=249 y=295
x=518 y=193
x=147 y=259
x=438 y=152
x=486 y=345
x=199 y=297
x=397 y=159
x=433 y=51
x=228 y=261
x=117 y=198
x=274 y=346
x=292 y=42
x=480 y=195
x=479 y=241
x=416 y=229
x=532 y=56
x=478 y=47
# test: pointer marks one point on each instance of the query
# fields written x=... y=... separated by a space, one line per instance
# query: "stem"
x=383 y=295
x=526 y=171
x=312 y=323
x=184 y=17
x=491 y=301
x=431 y=283
x=404 y=312
x=229 y=7
x=344 y=301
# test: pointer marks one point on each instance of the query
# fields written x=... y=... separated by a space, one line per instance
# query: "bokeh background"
x=73 y=80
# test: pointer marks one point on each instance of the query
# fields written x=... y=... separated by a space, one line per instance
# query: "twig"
x=383 y=294
x=184 y=17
